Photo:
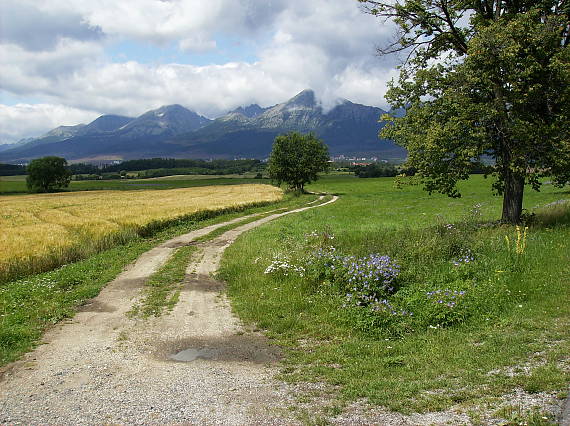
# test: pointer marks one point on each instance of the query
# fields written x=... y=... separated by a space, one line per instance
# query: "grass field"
x=476 y=310
x=42 y=231
x=10 y=185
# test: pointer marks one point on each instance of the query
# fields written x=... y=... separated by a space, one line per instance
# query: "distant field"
x=43 y=230
x=17 y=184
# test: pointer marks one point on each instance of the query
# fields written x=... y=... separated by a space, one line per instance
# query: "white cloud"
x=162 y=21
x=29 y=72
x=29 y=120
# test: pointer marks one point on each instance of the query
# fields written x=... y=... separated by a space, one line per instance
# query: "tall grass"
x=40 y=232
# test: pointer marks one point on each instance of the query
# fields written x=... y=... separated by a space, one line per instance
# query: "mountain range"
x=246 y=132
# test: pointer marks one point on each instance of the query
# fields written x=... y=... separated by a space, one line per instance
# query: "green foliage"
x=375 y=170
x=12 y=170
x=485 y=79
x=48 y=174
x=296 y=159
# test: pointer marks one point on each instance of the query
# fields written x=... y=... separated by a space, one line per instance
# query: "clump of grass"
x=514 y=415
x=163 y=288
x=552 y=214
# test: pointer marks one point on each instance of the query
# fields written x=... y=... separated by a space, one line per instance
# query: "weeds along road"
x=104 y=367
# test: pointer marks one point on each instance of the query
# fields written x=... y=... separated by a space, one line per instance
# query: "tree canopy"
x=48 y=174
x=296 y=159
x=482 y=79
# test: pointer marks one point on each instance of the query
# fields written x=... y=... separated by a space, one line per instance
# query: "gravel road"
x=103 y=367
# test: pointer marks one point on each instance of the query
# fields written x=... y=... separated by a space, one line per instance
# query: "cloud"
x=25 y=24
x=326 y=45
x=37 y=118
x=163 y=21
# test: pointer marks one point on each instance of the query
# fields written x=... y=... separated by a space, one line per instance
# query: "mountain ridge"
x=173 y=130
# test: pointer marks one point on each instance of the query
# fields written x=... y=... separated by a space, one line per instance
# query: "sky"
x=65 y=62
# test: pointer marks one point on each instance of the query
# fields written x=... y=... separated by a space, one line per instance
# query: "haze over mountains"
x=174 y=131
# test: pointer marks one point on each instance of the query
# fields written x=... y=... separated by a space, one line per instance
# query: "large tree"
x=296 y=159
x=48 y=174
x=482 y=79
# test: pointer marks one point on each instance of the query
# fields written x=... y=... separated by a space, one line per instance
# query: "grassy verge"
x=467 y=318
x=226 y=228
x=163 y=288
x=29 y=305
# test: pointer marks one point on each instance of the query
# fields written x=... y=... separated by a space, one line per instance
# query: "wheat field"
x=41 y=231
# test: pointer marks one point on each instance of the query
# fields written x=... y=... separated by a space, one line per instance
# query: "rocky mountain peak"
x=248 y=131
x=250 y=111
x=64 y=131
x=306 y=98
x=168 y=119
x=106 y=123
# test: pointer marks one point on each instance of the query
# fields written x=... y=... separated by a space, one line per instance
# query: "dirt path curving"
x=102 y=367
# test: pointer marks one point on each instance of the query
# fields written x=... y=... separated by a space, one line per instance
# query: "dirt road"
x=102 y=367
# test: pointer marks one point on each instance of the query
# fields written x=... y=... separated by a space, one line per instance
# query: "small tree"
x=48 y=174
x=296 y=159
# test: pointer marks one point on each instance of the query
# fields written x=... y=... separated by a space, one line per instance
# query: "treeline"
x=152 y=167
x=231 y=166
x=12 y=169
x=157 y=167
x=389 y=170
x=375 y=170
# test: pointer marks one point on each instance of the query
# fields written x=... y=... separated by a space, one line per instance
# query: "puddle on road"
x=192 y=354
x=236 y=348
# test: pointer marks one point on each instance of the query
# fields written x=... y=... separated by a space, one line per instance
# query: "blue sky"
x=227 y=50
x=63 y=62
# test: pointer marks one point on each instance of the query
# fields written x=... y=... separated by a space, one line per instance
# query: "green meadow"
x=453 y=308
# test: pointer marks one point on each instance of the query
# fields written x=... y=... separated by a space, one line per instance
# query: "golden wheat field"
x=48 y=228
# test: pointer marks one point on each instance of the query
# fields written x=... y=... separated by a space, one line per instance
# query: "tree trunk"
x=512 y=198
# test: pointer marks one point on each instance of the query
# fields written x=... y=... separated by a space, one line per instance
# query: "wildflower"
x=284 y=267
x=521 y=240
x=465 y=259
